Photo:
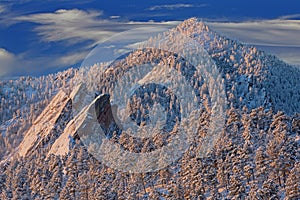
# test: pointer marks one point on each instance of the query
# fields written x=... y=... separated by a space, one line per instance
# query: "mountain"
x=242 y=105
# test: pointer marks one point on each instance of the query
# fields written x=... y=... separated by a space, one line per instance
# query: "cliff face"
x=99 y=108
x=46 y=128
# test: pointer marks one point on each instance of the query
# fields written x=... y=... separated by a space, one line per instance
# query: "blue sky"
x=41 y=37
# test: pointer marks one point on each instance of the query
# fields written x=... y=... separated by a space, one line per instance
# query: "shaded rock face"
x=104 y=111
x=106 y=116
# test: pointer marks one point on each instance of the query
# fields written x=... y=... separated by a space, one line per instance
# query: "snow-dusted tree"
x=84 y=186
x=261 y=166
x=252 y=194
x=100 y=193
x=236 y=186
x=71 y=163
x=82 y=164
x=292 y=189
x=2 y=181
x=269 y=190
x=20 y=184
x=70 y=191
x=7 y=184
x=55 y=184
x=36 y=182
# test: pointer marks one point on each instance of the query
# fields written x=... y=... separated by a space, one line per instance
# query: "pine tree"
x=55 y=184
x=71 y=164
x=236 y=187
x=253 y=195
x=268 y=190
x=261 y=165
x=70 y=191
x=289 y=153
x=21 y=185
x=292 y=189
x=82 y=164
x=10 y=174
x=100 y=193
x=2 y=181
x=84 y=186
x=65 y=195
x=36 y=182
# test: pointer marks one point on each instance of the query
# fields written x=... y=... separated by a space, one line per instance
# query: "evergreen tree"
x=70 y=191
x=261 y=165
x=268 y=190
x=84 y=186
x=292 y=189
x=55 y=184
x=2 y=181
x=21 y=185
x=236 y=187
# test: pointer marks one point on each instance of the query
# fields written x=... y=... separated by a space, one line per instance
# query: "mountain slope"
x=252 y=80
x=254 y=156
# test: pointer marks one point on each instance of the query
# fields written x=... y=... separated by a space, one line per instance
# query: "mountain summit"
x=153 y=142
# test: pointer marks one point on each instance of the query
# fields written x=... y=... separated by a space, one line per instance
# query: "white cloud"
x=266 y=32
x=175 y=6
x=290 y=16
x=279 y=34
x=69 y=24
x=74 y=26
x=78 y=25
x=5 y=57
x=67 y=60
x=8 y=61
x=115 y=17
x=12 y=65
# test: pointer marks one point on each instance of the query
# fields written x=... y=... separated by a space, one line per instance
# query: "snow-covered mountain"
x=257 y=153
x=252 y=78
